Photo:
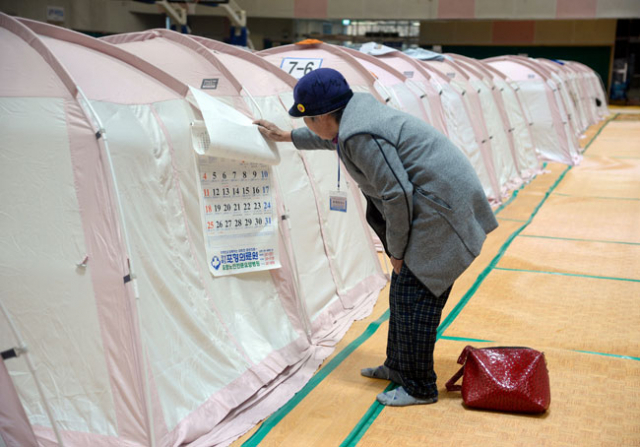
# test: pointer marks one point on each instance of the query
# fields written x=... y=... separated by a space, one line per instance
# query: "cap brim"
x=295 y=113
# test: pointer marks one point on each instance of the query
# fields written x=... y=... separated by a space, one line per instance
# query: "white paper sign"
x=232 y=134
x=238 y=215
x=300 y=66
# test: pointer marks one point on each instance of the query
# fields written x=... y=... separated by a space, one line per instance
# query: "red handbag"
x=503 y=378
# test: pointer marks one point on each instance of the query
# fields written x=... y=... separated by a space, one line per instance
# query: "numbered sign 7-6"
x=300 y=66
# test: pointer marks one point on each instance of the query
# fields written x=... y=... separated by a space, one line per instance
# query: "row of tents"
x=114 y=332
x=506 y=113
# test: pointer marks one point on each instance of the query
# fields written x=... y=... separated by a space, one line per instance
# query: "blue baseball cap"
x=320 y=91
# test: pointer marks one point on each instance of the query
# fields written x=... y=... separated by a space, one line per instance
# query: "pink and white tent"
x=131 y=340
x=381 y=79
x=496 y=121
x=404 y=96
x=336 y=280
x=513 y=117
x=418 y=78
x=585 y=99
x=466 y=135
x=550 y=127
x=592 y=87
x=569 y=97
x=572 y=95
x=497 y=160
x=562 y=99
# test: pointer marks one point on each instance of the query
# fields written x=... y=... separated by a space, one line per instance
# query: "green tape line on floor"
x=578 y=240
x=626 y=357
x=473 y=340
x=612 y=278
x=276 y=417
x=511 y=220
x=514 y=195
x=595 y=197
x=494 y=262
x=365 y=422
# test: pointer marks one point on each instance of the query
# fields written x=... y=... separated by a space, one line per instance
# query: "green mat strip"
x=361 y=428
x=612 y=278
x=473 y=340
x=511 y=220
x=514 y=195
x=596 y=197
x=626 y=357
x=578 y=240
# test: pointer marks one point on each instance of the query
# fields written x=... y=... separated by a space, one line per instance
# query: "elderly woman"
x=424 y=201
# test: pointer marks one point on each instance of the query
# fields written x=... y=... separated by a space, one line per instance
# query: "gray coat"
x=432 y=210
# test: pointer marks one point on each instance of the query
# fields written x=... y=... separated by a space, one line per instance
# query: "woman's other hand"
x=397 y=264
x=272 y=132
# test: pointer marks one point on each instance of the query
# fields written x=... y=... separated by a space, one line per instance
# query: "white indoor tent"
x=592 y=87
x=105 y=270
x=585 y=106
x=497 y=124
x=459 y=122
x=417 y=77
x=550 y=127
x=406 y=96
x=364 y=73
x=513 y=115
x=499 y=163
x=570 y=97
x=318 y=54
x=562 y=99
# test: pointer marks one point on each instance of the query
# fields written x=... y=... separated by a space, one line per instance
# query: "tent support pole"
x=102 y=135
x=294 y=267
x=25 y=353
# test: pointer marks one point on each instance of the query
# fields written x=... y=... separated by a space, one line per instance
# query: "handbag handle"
x=451 y=384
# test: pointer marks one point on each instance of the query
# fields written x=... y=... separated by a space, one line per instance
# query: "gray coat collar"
x=355 y=117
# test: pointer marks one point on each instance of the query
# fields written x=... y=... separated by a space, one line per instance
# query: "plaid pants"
x=415 y=315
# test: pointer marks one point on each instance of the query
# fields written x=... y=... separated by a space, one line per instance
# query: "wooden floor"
x=561 y=274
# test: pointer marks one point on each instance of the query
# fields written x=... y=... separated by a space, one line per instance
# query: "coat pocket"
x=461 y=220
x=435 y=201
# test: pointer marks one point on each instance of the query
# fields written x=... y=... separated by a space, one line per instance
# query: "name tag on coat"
x=338 y=201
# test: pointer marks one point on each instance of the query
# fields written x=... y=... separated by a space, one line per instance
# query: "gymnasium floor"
x=561 y=274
